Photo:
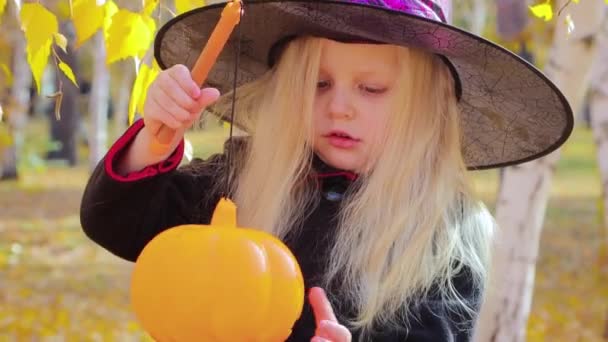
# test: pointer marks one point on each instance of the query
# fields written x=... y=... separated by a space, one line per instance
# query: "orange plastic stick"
x=230 y=17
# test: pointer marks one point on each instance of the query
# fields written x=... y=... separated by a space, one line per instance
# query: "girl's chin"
x=341 y=161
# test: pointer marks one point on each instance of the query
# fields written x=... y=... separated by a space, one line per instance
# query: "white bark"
x=524 y=190
x=98 y=103
x=470 y=15
x=16 y=111
x=479 y=16
x=121 y=104
x=512 y=17
x=598 y=102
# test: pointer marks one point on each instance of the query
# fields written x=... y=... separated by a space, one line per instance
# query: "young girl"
x=359 y=139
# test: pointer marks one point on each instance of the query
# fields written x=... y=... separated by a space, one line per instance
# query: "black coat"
x=122 y=214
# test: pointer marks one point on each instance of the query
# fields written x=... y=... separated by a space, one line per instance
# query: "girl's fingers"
x=177 y=94
x=319 y=339
x=321 y=306
x=171 y=108
x=328 y=328
x=182 y=76
x=174 y=99
x=208 y=96
x=333 y=331
x=165 y=117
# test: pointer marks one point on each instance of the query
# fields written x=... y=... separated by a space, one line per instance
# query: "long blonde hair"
x=411 y=224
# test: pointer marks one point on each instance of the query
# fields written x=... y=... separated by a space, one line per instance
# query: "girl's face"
x=355 y=93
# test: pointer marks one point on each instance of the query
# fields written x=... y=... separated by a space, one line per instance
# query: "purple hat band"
x=438 y=10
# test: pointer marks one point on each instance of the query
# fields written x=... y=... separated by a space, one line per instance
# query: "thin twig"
x=168 y=9
x=561 y=9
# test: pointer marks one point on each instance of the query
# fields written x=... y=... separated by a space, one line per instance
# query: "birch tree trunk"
x=98 y=103
x=524 y=190
x=511 y=18
x=598 y=102
x=122 y=95
x=470 y=15
x=598 y=111
x=479 y=16
x=17 y=109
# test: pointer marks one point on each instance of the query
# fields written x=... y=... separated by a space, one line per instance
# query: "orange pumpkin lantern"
x=217 y=282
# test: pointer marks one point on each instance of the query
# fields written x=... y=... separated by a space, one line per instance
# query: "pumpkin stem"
x=224 y=214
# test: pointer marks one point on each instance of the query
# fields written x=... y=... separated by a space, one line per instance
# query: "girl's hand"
x=175 y=100
x=328 y=328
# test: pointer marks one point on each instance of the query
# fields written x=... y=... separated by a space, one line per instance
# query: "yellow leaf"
x=62 y=318
x=601 y=216
x=68 y=72
x=2 y=7
x=130 y=35
x=39 y=26
x=144 y=78
x=544 y=11
x=63 y=10
x=110 y=9
x=182 y=6
x=149 y=6
x=6 y=138
x=87 y=18
x=7 y=74
x=151 y=74
x=133 y=327
x=61 y=41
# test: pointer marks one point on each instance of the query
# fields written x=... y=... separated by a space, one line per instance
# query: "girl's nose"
x=340 y=106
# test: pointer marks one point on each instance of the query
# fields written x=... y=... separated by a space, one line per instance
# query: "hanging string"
x=230 y=150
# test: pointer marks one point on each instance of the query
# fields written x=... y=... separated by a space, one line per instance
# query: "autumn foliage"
x=127 y=34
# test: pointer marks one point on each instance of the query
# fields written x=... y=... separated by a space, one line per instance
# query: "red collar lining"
x=350 y=175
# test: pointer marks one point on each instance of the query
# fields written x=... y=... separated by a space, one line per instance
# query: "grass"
x=56 y=284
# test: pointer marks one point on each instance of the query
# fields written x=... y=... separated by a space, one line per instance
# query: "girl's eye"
x=322 y=84
x=373 y=90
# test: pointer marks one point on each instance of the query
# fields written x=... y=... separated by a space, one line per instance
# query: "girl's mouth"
x=341 y=139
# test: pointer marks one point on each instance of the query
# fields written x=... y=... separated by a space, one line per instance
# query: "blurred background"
x=73 y=76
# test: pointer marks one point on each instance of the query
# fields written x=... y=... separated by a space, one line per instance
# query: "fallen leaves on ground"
x=54 y=282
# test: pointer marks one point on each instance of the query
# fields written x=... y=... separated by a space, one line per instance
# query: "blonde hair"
x=409 y=225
